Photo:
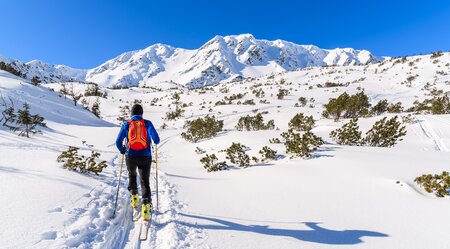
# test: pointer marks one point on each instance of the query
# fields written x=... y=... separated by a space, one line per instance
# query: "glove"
x=122 y=152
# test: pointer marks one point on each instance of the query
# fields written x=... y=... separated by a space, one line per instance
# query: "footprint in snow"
x=51 y=235
x=55 y=210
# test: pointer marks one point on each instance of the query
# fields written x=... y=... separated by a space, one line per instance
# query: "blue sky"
x=85 y=33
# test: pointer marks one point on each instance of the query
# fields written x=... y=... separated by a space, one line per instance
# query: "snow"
x=221 y=59
x=347 y=197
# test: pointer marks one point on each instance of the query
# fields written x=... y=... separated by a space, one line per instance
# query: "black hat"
x=137 y=110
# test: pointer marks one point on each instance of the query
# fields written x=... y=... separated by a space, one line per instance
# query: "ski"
x=135 y=214
x=144 y=228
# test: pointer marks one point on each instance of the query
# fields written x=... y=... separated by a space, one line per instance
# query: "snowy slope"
x=344 y=197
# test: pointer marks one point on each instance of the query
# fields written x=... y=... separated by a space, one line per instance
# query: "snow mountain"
x=46 y=72
x=222 y=59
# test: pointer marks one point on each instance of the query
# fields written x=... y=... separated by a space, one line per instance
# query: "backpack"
x=137 y=135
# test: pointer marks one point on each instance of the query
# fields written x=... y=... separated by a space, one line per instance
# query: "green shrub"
x=395 y=108
x=9 y=68
x=254 y=123
x=27 y=123
x=385 y=133
x=348 y=134
x=249 y=102
x=211 y=164
x=380 y=108
x=174 y=115
x=347 y=106
x=202 y=128
x=236 y=154
x=301 y=144
x=73 y=161
x=282 y=93
x=93 y=90
x=199 y=151
x=438 y=184
x=268 y=154
x=301 y=122
x=440 y=105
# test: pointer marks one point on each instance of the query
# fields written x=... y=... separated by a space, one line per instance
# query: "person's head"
x=137 y=110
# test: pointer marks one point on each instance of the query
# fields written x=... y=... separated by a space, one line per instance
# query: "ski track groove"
x=90 y=225
x=430 y=133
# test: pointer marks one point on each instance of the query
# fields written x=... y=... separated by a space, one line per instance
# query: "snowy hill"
x=45 y=72
x=228 y=58
x=342 y=197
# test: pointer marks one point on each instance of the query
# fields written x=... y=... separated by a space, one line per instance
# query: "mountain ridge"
x=221 y=59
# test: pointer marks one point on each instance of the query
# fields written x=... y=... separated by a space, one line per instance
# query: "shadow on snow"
x=315 y=233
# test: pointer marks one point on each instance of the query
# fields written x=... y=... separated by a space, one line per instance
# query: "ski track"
x=430 y=133
x=90 y=225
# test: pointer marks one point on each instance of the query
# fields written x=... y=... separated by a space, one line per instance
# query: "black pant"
x=142 y=163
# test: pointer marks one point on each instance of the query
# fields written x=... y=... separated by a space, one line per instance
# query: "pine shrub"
x=348 y=134
x=254 y=123
x=347 y=106
x=437 y=184
x=282 y=93
x=236 y=154
x=202 y=128
x=380 y=108
x=302 y=145
x=385 y=133
x=440 y=105
x=301 y=122
x=268 y=154
x=211 y=164
x=73 y=161
x=28 y=123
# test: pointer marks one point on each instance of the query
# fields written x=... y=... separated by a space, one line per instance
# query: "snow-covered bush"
x=440 y=105
x=125 y=112
x=348 y=134
x=210 y=163
x=95 y=109
x=73 y=161
x=395 y=108
x=202 y=128
x=438 y=184
x=254 y=123
x=268 y=154
x=302 y=101
x=22 y=121
x=199 y=150
x=301 y=122
x=282 y=93
x=259 y=93
x=385 y=133
x=274 y=140
x=347 y=106
x=173 y=115
x=93 y=90
x=9 y=68
x=236 y=154
x=380 y=108
x=301 y=144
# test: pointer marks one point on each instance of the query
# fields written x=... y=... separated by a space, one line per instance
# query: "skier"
x=138 y=133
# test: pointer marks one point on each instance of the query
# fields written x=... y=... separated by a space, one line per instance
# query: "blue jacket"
x=123 y=134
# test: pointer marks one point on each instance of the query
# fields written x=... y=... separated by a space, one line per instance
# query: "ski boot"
x=146 y=209
x=135 y=200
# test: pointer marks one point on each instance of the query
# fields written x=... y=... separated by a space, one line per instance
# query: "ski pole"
x=157 y=198
x=118 y=185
